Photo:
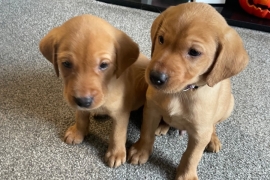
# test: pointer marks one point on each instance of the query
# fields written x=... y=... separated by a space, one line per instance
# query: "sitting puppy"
x=194 y=52
x=103 y=73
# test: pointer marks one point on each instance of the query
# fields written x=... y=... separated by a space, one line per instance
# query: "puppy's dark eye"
x=194 y=52
x=103 y=66
x=67 y=64
x=160 y=39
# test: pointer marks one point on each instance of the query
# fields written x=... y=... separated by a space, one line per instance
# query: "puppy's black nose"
x=158 y=78
x=84 y=102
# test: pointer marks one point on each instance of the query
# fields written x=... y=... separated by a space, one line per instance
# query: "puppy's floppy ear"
x=231 y=58
x=48 y=47
x=127 y=52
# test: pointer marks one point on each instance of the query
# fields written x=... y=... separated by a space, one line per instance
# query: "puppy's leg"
x=116 y=153
x=76 y=133
x=141 y=150
x=214 y=145
x=197 y=142
x=162 y=129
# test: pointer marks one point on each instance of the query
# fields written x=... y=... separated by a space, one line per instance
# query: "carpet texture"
x=34 y=116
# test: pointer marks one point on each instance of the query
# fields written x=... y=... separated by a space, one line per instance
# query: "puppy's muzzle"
x=84 y=102
x=157 y=78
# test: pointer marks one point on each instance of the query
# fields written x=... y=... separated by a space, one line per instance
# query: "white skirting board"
x=212 y=1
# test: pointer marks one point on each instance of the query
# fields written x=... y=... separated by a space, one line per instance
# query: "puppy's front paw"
x=115 y=158
x=74 y=135
x=186 y=178
x=214 y=145
x=162 y=129
x=139 y=153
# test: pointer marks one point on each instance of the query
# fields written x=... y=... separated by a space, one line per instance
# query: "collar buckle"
x=191 y=87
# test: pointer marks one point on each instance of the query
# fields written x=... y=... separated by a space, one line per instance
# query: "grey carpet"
x=34 y=116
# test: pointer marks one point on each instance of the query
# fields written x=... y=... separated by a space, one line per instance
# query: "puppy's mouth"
x=86 y=103
x=83 y=103
x=160 y=81
x=81 y=98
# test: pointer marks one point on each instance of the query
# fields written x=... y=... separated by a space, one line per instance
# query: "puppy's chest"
x=111 y=104
x=175 y=112
x=174 y=107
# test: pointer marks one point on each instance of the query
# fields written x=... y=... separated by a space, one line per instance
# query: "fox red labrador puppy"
x=103 y=73
x=194 y=53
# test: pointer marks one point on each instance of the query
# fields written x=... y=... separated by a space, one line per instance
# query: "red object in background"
x=259 y=8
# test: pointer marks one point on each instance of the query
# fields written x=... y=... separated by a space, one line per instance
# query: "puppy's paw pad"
x=138 y=155
x=73 y=136
x=214 y=145
x=115 y=158
x=162 y=129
